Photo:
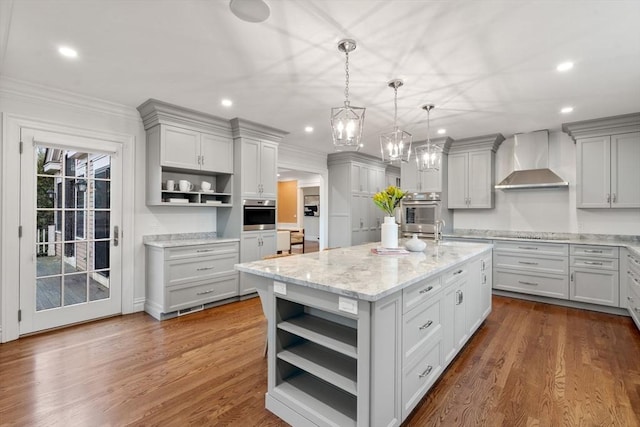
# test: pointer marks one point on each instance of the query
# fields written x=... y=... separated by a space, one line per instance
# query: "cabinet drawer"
x=545 y=264
x=421 y=326
x=188 y=270
x=415 y=294
x=548 y=285
x=594 y=251
x=201 y=292
x=633 y=279
x=633 y=303
x=527 y=247
x=596 y=263
x=418 y=377
x=453 y=275
x=182 y=252
x=633 y=263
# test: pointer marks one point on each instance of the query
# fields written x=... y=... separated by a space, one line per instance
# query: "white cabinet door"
x=430 y=180
x=216 y=153
x=625 y=170
x=486 y=283
x=269 y=170
x=474 y=295
x=249 y=247
x=593 y=170
x=356 y=181
x=457 y=179
x=455 y=332
x=409 y=177
x=250 y=168
x=180 y=148
x=480 y=179
x=594 y=286
x=268 y=245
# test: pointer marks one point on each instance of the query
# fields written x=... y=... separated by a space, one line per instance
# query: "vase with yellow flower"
x=388 y=200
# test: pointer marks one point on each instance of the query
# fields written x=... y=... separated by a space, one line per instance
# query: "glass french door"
x=70 y=209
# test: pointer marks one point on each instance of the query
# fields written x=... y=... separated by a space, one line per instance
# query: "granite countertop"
x=358 y=273
x=630 y=242
x=184 y=239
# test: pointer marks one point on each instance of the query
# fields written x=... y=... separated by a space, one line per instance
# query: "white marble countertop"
x=358 y=273
x=173 y=243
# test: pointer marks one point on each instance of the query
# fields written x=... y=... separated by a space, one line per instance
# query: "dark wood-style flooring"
x=529 y=364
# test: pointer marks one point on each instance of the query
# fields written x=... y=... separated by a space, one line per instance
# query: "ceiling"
x=488 y=66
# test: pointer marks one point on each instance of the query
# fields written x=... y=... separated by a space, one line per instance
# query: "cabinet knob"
x=608 y=198
x=614 y=198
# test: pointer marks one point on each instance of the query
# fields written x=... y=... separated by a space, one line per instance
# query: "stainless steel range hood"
x=531 y=164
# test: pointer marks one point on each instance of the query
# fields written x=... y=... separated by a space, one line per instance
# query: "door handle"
x=116 y=237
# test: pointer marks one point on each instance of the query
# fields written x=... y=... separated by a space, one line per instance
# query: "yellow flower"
x=389 y=199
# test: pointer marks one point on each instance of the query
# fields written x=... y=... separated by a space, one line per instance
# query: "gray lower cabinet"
x=532 y=268
x=183 y=278
x=337 y=361
x=594 y=275
x=632 y=273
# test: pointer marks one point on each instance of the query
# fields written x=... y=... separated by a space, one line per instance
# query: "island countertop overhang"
x=358 y=273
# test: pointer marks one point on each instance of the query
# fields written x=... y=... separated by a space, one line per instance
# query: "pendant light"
x=395 y=146
x=347 y=121
x=429 y=156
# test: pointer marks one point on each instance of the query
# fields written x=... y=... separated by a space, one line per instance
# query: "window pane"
x=99 y=286
x=46 y=192
x=48 y=293
x=80 y=222
x=70 y=192
x=78 y=262
x=101 y=255
x=45 y=233
x=102 y=194
x=48 y=265
x=75 y=289
x=101 y=225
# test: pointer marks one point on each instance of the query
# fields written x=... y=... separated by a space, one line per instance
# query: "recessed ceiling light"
x=227 y=102
x=442 y=131
x=308 y=129
x=566 y=110
x=68 y=52
x=250 y=10
x=565 y=66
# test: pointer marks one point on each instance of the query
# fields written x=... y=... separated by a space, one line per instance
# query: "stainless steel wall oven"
x=420 y=214
x=258 y=215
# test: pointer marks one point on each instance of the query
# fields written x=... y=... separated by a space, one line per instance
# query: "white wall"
x=549 y=210
x=38 y=103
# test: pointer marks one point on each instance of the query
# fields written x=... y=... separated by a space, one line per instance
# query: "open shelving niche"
x=316 y=362
x=219 y=195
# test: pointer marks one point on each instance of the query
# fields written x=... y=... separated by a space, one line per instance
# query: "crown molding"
x=154 y=112
x=625 y=123
x=444 y=141
x=23 y=90
x=484 y=142
x=242 y=128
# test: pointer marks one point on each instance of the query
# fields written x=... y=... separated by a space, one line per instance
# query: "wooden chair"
x=297 y=238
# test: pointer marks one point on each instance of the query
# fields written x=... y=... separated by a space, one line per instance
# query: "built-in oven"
x=258 y=215
x=420 y=214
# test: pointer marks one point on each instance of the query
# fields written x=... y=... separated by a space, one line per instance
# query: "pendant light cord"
x=395 y=107
x=346 y=87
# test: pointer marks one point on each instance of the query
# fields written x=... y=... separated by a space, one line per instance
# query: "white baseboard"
x=138 y=305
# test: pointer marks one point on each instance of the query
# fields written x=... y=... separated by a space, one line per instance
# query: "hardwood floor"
x=529 y=364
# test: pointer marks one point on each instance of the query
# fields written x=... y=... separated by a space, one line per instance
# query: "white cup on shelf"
x=185 y=185
x=170 y=185
x=205 y=186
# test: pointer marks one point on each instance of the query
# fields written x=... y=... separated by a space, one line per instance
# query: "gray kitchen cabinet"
x=608 y=154
x=429 y=181
x=455 y=332
x=255 y=245
x=392 y=176
x=531 y=267
x=184 y=144
x=191 y=277
x=353 y=180
x=594 y=275
x=470 y=175
x=631 y=272
x=259 y=169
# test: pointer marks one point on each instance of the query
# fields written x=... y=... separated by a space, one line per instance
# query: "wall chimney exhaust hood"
x=531 y=164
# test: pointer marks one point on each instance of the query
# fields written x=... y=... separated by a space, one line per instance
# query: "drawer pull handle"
x=633 y=259
x=205 y=250
x=424 y=291
x=210 y=291
x=527 y=283
x=457 y=272
x=592 y=263
x=528 y=263
x=428 y=371
x=593 y=251
x=528 y=248
x=426 y=325
x=205 y=268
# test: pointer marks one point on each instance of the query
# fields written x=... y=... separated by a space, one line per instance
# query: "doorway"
x=70 y=209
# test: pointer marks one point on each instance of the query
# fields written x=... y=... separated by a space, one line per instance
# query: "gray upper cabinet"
x=414 y=180
x=189 y=149
x=608 y=154
x=471 y=166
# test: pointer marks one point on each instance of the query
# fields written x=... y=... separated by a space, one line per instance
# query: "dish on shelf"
x=213 y=202
x=175 y=200
x=207 y=191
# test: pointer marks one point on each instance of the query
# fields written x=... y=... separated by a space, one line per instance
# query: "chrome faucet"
x=437 y=236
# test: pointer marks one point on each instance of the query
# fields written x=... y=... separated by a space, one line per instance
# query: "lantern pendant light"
x=347 y=121
x=395 y=146
x=429 y=156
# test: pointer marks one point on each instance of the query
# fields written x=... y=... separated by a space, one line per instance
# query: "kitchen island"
x=357 y=339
